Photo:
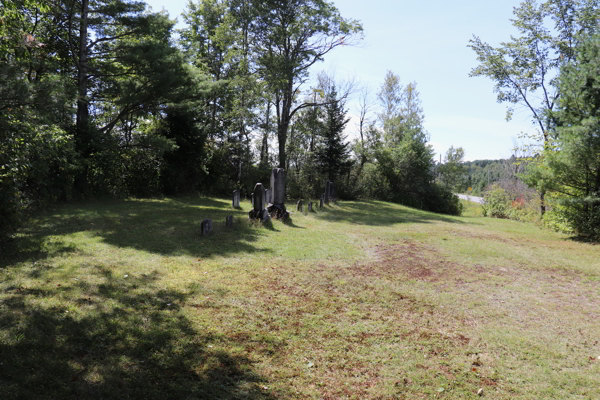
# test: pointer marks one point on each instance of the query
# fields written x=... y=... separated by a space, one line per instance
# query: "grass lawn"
x=363 y=300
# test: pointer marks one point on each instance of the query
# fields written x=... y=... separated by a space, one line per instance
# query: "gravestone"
x=310 y=206
x=321 y=202
x=299 y=206
x=277 y=195
x=257 y=202
x=268 y=196
x=229 y=221
x=278 y=186
x=236 y=199
x=206 y=227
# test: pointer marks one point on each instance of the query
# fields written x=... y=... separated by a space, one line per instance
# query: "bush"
x=497 y=203
x=583 y=216
x=36 y=168
x=441 y=200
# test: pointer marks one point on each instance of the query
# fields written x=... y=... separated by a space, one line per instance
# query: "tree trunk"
x=264 y=148
x=542 y=202
x=83 y=140
x=82 y=76
x=282 y=136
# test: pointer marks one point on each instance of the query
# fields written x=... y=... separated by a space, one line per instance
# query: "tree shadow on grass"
x=584 y=239
x=117 y=339
x=379 y=213
x=168 y=227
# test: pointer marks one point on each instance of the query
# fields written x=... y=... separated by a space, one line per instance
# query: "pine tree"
x=334 y=153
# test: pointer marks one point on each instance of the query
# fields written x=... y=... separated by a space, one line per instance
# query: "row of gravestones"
x=267 y=202
x=273 y=198
x=278 y=187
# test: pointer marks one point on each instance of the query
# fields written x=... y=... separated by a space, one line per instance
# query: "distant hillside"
x=481 y=173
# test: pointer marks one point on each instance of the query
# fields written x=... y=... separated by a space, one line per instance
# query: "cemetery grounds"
x=361 y=300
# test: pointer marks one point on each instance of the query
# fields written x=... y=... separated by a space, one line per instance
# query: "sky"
x=426 y=42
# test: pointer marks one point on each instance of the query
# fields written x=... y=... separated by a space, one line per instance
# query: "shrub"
x=36 y=168
x=497 y=203
x=441 y=200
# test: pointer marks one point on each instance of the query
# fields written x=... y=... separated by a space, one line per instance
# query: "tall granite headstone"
x=258 y=205
x=267 y=196
x=276 y=205
x=278 y=186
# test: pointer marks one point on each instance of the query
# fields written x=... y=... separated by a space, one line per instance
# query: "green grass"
x=362 y=300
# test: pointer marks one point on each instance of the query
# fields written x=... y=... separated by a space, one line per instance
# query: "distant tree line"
x=100 y=98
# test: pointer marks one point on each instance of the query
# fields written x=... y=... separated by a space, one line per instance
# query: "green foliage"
x=556 y=217
x=288 y=37
x=524 y=69
x=333 y=154
x=521 y=68
x=575 y=164
x=452 y=171
x=497 y=203
x=500 y=203
x=306 y=182
x=441 y=200
x=569 y=168
x=36 y=167
x=407 y=178
x=402 y=114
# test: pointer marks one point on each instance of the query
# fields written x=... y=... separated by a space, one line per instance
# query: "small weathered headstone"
x=321 y=200
x=267 y=196
x=310 y=206
x=236 y=199
x=229 y=221
x=206 y=227
x=299 y=206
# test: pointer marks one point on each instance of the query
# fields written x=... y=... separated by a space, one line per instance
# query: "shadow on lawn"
x=169 y=226
x=379 y=213
x=120 y=339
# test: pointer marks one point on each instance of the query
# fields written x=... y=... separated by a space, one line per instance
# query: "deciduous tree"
x=525 y=68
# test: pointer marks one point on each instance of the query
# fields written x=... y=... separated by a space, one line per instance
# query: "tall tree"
x=525 y=68
x=334 y=153
x=290 y=36
x=572 y=166
x=401 y=112
x=452 y=171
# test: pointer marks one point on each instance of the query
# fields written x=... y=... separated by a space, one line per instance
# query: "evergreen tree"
x=571 y=167
x=334 y=153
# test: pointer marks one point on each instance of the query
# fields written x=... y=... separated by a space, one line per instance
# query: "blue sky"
x=426 y=42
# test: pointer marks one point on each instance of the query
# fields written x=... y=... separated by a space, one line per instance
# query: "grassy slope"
x=366 y=300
